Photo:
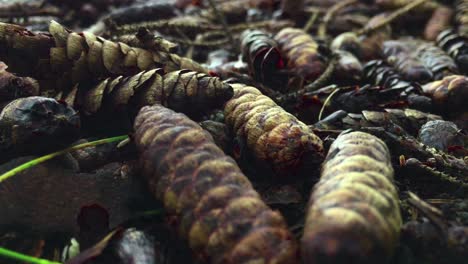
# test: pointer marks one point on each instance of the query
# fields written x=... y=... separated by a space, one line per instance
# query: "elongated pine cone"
x=272 y=134
x=67 y=55
x=353 y=214
x=89 y=55
x=216 y=209
x=301 y=53
x=184 y=90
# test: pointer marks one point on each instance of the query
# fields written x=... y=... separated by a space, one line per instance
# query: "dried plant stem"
x=201 y=28
x=441 y=176
x=205 y=43
x=396 y=14
x=28 y=10
x=259 y=24
x=431 y=212
x=322 y=30
x=310 y=23
x=154 y=25
x=325 y=77
x=186 y=39
x=222 y=19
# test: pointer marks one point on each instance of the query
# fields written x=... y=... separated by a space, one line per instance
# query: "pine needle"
x=24 y=258
x=326 y=102
x=47 y=157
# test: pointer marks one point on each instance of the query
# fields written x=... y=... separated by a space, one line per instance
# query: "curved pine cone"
x=272 y=134
x=353 y=215
x=301 y=53
x=185 y=91
x=217 y=211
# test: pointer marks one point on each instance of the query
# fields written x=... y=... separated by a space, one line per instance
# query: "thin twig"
x=146 y=40
x=200 y=28
x=431 y=212
x=322 y=29
x=28 y=10
x=159 y=24
x=310 y=23
x=222 y=19
x=205 y=43
x=324 y=131
x=278 y=25
x=396 y=14
x=325 y=77
x=441 y=176
x=186 y=39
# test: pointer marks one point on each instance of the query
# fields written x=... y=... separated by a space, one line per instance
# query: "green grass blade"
x=39 y=160
x=25 y=258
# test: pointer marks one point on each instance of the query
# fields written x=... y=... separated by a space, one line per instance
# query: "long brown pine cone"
x=353 y=214
x=63 y=58
x=215 y=206
x=186 y=91
x=275 y=136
